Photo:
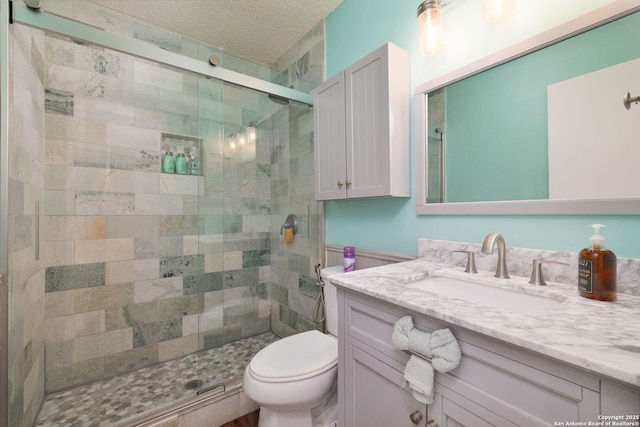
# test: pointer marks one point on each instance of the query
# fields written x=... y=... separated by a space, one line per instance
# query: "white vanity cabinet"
x=361 y=128
x=496 y=384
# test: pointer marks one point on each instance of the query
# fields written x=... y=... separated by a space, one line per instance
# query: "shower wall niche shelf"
x=189 y=145
x=361 y=128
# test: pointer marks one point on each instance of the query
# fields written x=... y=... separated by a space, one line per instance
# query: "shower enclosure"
x=114 y=266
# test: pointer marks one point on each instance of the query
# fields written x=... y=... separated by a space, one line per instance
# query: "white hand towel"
x=419 y=342
x=445 y=351
x=406 y=337
x=401 y=330
x=418 y=375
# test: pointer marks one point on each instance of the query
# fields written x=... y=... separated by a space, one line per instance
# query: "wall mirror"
x=509 y=134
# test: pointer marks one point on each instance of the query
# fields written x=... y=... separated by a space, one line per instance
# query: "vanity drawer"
x=372 y=324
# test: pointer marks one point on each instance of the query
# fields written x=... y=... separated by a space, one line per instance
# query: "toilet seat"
x=295 y=358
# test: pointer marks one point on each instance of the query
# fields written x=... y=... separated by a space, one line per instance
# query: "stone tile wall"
x=293 y=282
x=26 y=355
x=142 y=266
x=305 y=60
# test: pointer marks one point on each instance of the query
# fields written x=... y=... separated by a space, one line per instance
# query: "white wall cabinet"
x=361 y=128
x=496 y=384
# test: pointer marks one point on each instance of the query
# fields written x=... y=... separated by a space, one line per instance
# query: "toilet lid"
x=295 y=357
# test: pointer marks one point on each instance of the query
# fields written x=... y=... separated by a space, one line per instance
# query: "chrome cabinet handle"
x=415 y=417
x=348 y=183
x=340 y=184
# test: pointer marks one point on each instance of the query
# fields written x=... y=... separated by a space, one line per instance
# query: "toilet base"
x=323 y=415
x=269 y=418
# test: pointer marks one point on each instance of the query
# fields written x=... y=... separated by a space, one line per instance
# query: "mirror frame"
x=586 y=22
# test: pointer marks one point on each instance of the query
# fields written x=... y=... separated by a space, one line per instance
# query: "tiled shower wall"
x=143 y=266
x=162 y=264
x=139 y=262
x=25 y=254
x=293 y=283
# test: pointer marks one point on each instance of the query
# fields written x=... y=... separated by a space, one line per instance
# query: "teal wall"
x=391 y=225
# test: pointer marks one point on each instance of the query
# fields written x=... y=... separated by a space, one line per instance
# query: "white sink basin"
x=486 y=295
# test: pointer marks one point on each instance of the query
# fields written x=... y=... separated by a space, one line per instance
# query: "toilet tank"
x=331 y=298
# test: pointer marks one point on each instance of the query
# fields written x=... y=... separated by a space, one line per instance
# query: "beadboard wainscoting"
x=333 y=255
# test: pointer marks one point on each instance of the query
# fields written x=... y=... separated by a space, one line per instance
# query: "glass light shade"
x=251 y=134
x=494 y=11
x=232 y=141
x=242 y=137
x=430 y=28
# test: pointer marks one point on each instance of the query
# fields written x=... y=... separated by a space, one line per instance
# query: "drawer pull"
x=415 y=417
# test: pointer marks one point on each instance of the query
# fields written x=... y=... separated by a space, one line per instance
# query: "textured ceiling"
x=258 y=30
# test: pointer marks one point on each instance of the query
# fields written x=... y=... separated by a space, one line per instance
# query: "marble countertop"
x=601 y=337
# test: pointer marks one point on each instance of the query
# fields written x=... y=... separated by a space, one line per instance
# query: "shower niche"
x=189 y=145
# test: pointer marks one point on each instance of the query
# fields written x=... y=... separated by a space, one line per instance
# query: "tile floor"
x=108 y=402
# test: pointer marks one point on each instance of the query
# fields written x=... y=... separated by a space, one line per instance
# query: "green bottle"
x=168 y=164
x=181 y=164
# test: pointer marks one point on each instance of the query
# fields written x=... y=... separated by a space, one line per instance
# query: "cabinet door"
x=454 y=410
x=377 y=125
x=367 y=126
x=373 y=393
x=329 y=135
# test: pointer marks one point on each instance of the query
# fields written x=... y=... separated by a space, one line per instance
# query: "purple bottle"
x=349 y=258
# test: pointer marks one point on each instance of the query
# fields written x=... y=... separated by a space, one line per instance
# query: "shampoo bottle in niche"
x=349 y=258
x=181 y=164
x=597 y=269
x=168 y=163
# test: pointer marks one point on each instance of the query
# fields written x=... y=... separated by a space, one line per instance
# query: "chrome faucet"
x=487 y=248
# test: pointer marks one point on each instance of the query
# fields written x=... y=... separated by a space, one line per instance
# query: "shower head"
x=278 y=99
x=33 y=4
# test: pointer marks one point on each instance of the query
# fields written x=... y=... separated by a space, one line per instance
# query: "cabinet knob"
x=415 y=417
x=431 y=423
x=348 y=183
x=340 y=184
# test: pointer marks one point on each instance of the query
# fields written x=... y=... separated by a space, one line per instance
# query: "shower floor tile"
x=108 y=402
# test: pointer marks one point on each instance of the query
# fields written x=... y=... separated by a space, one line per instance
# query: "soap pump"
x=597 y=269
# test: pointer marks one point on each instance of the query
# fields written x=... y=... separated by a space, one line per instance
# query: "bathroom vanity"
x=523 y=364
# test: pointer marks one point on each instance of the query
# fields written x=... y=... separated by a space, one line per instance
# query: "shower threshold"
x=155 y=391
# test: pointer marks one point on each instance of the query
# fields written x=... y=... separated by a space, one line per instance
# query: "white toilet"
x=297 y=374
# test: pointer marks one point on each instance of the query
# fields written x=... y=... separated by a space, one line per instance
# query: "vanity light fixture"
x=242 y=137
x=430 y=27
x=232 y=141
x=251 y=133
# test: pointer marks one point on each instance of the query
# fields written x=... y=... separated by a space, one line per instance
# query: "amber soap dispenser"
x=597 y=269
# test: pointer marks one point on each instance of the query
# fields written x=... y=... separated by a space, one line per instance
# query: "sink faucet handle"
x=471 y=262
x=536 y=274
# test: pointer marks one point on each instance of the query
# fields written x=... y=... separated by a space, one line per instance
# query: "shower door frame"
x=11 y=12
x=138 y=48
x=4 y=213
